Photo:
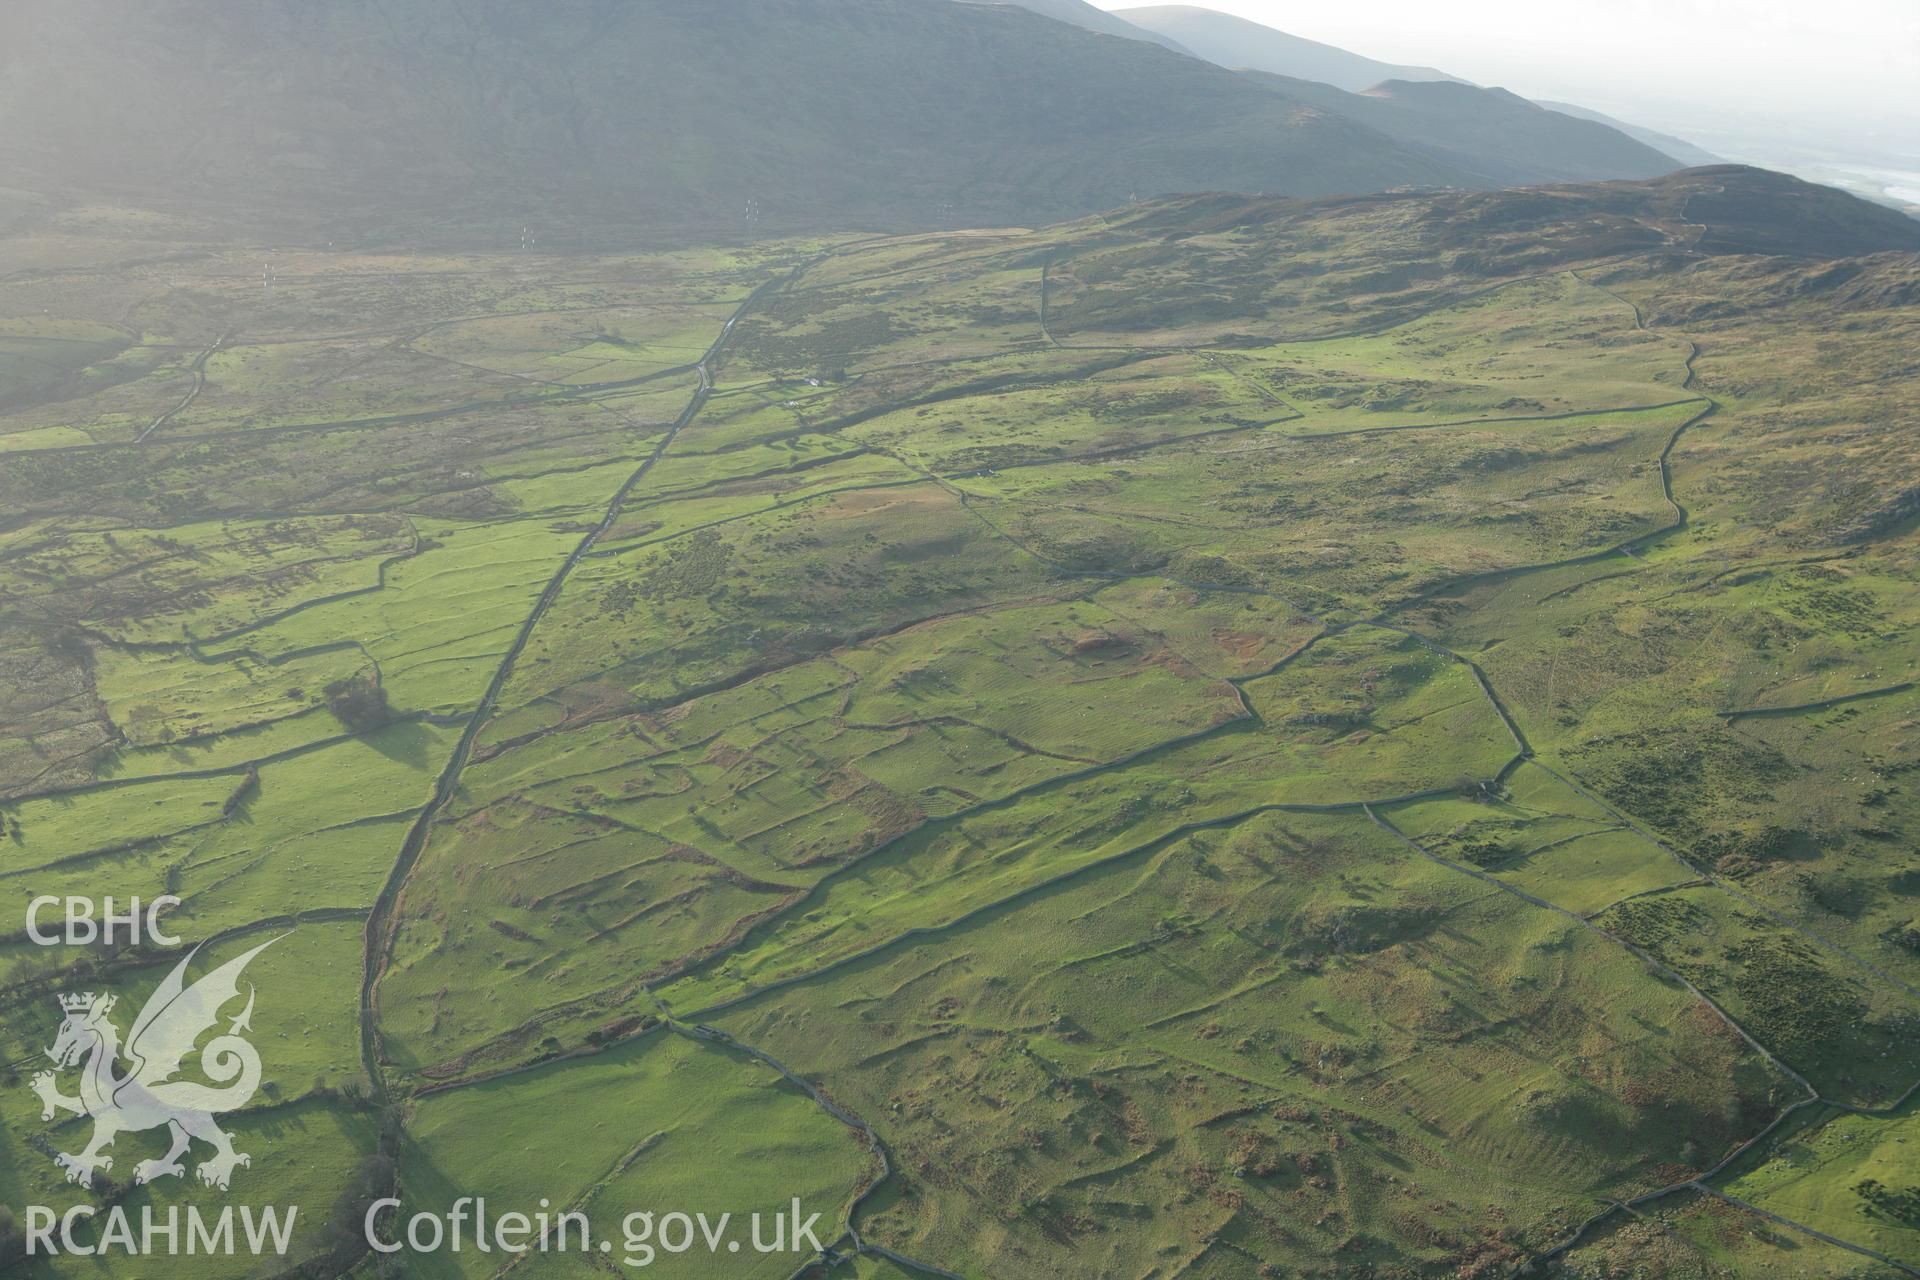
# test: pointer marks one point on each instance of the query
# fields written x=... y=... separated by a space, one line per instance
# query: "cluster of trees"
x=1885 y=1202
x=359 y=703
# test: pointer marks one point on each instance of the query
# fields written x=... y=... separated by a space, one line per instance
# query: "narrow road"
x=381 y=927
x=199 y=371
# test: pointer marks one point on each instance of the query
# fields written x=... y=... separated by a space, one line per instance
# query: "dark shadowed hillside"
x=587 y=117
x=1419 y=242
x=1399 y=255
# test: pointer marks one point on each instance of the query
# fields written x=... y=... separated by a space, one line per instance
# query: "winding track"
x=199 y=371
x=380 y=929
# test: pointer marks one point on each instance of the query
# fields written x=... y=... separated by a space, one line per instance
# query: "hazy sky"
x=1727 y=68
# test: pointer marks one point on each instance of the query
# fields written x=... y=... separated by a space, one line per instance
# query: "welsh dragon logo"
x=146 y=1096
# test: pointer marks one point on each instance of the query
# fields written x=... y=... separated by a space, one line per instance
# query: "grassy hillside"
x=600 y=122
x=1241 y=736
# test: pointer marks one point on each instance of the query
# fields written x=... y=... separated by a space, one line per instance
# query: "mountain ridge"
x=1090 y=17
x=1498 y=137
x=1231 y=41
x=644 y=117
x=1680 y=149
x=1239 y=42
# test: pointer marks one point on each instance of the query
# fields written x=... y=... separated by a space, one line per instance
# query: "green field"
x=1235 y=739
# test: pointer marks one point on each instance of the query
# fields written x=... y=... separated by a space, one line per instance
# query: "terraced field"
x=1240 y=738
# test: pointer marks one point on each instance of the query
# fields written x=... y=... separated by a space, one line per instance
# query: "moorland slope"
x=1246 y=736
